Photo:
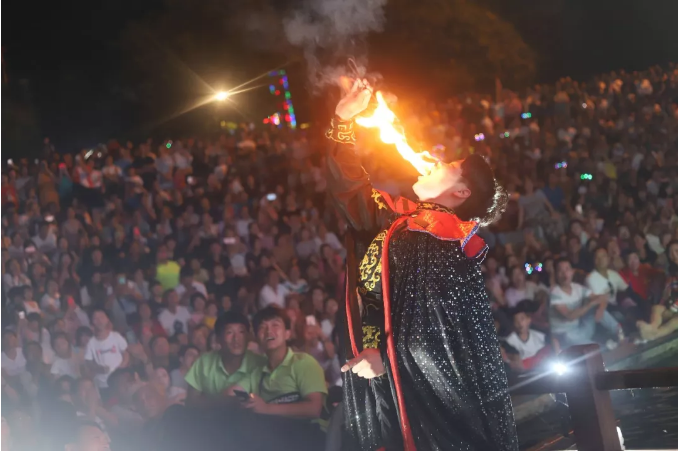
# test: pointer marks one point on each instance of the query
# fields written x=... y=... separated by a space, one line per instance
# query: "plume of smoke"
x=336 y=28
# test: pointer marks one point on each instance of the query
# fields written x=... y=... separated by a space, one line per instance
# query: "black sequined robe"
x=445 y=386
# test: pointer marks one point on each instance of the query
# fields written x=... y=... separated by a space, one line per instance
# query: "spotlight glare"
x=221 y=96
x=560 y=368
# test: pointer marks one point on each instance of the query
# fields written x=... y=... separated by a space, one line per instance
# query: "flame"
x=384 y=119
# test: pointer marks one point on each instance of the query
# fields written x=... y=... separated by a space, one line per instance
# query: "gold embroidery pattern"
x=370 y=266
x=434 y=207
x=371 y=337
x=341 y=132
x=376 y=195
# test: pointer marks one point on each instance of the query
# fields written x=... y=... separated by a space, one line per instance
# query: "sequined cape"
x=445 y=387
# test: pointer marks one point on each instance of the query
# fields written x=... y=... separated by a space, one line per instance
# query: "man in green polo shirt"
x=288 y=393
x=215 y=372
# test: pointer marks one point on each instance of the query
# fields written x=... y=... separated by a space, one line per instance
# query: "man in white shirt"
x=574 y=311
x=273 y=292
x=174 y=319
x=106 y=350
x=605 y=281
x=45 y=241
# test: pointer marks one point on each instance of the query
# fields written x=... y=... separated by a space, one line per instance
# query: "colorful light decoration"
x=280 y=86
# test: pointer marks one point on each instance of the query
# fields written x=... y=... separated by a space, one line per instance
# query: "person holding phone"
x=229 y=368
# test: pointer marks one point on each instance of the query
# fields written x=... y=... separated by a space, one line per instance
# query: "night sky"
x=68 y=52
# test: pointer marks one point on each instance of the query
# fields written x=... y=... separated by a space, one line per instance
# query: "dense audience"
x=208 y=273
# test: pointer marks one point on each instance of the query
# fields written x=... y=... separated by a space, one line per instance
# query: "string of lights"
x=280 y=87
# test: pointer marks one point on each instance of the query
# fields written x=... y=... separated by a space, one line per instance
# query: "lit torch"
x=384 y=119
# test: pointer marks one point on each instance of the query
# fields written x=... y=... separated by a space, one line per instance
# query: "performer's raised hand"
x=367 y=365
x=355 y=101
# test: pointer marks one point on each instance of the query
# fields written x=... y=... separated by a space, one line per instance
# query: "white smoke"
x=337 y=28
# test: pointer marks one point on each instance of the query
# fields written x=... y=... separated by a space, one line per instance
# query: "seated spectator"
x=530 y=344
x=13 y=361
x=575 y=311
x=293 y=282
x=106 y=351
x=290 y=385
x=198 y=304
x=173 y=394
x=273 y=293
x=174 y=318
x=167 y=270
x=216 y=371
x=603 y=280
x=65 y=363
x=32 y=331
x=88 y=436
x=521 y=288
x=123 y=382
x=188 y=286
x=161 y=354
x=638 y=275
x=89 y=407
x=188 y=354
x=664 y=316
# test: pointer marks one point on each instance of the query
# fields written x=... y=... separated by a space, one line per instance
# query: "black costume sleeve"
x=350 y=186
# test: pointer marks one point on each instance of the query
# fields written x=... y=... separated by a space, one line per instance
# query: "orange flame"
x=384 y=119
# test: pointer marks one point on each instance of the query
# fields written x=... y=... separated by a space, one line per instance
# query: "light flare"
x=384 y=119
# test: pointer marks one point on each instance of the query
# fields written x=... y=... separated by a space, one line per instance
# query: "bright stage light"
x=560 y=368
x=221 y=96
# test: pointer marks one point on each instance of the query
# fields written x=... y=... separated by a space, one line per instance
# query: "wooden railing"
x=586 y=385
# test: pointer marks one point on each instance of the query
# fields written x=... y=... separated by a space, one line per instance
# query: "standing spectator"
x=106 y=350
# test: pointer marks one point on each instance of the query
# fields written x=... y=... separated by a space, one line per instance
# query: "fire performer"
x=423 y=370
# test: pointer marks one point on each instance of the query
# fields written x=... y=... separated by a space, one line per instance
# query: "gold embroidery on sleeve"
x=371 y=337
x=378 y=199
x=370 y=266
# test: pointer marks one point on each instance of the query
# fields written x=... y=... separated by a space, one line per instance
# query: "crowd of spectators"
x=208 y=272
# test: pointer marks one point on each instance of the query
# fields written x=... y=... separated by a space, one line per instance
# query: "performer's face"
x=443 y=180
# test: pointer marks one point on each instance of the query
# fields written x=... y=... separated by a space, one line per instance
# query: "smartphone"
x=241 y=395
x=480 y=137
x=230 y=240
x=30 y=249
x=271 y=197
x=311 y=321
x=122 y=280
x=190 y=180
x=36 y=161
x=62 y=165
x=49 y=218
x=136 y=231
x=22 y=315
x=10 y=162
x=71 y=302
x=526 y=115
x=579 y=210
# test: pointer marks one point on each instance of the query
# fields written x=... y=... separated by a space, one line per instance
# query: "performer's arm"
x=349 y=184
